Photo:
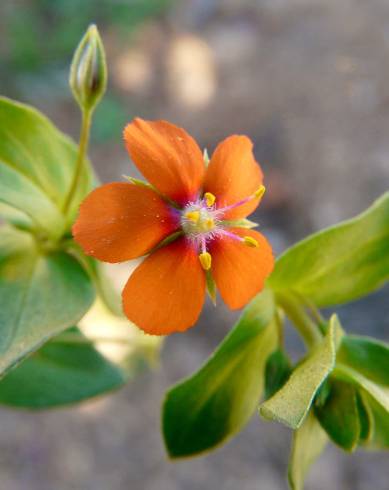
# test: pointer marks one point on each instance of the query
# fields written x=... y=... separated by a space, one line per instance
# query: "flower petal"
x=233 y=174
x=167 y=156
x=121 y=221
x=166 y=291
x=238 y=270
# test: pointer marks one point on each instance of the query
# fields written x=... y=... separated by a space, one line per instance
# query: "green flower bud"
x=88 y=71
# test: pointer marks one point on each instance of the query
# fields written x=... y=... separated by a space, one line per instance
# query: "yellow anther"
x=193 y=216
x=250 y=241
x=205 y=260
x=209 y=199
x=260 y=192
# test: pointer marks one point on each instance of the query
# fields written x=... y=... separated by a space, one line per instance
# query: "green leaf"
x=365 y=419
x=341 y=263
x=378 y=392
x=376 y=403
x=339 y=415
x=36 y=166
x=308 y=443
x=59 y=373
x=368 y=356
x=41 y=293
x=15 y=217
x=364 y=362
x=207 y=408
x=277 y=372
x=292 y=402
x=379 y=437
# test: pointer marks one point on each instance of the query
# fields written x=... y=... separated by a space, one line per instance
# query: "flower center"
x=198 y=219
x=202 y=222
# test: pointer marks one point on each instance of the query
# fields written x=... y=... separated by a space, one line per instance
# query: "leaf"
x=277 y=372
x=15 y=217
x=215 y=403
x=308 y=443
x=59 y=373
x=378 y=392
x=17 y=190
x=368 y=356
x=339 y=415
x=379 y=438
x=98 y=272
x=36 y=166
x=365 y=419
x=41 y=293
x=292 y=402
x=376 y=403
x=341 y=263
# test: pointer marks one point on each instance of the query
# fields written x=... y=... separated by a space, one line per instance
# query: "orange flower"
x=200 y=206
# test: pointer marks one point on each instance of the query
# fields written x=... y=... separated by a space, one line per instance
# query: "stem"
x=294 y=310
x=82 y=149
x=315 y=313
x=279 y=319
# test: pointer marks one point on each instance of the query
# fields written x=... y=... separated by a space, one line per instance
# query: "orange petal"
x=121 y=221
x=240 y=271
x=165 y=293
x=167 y=156
x=233 y=174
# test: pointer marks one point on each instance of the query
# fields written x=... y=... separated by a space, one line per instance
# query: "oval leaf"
x=308 y=443
x=60 y=372
x=368 y=356
x=341 y=263
x=292 y=402
x=379 y=393
x=41 y=294
x=379 y=437
x=339 y=415
x=277 y=372
x=37 y=163
x=205 y=409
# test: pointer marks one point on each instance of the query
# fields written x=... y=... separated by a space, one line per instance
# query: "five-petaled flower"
x=188 y=221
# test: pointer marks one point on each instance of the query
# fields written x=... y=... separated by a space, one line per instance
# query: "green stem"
x=296 y=313
x=279 y=319
x=315 y=313
x=82 y=150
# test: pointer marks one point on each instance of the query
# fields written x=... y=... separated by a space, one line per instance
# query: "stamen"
x=250 y=241
x=256 y=195
x=209 y=199
x=193 y=216
x=205 y=260
x=246 y=240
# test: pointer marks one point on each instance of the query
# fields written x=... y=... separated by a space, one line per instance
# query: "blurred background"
x=308 y=81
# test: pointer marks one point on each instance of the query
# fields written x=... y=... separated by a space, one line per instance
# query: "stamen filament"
x=256 y=195
x=246 y=240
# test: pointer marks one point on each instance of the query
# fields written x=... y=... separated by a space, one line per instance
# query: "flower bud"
x=88 y=71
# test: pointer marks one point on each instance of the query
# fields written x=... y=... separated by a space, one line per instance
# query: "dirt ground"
x=308 y=81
